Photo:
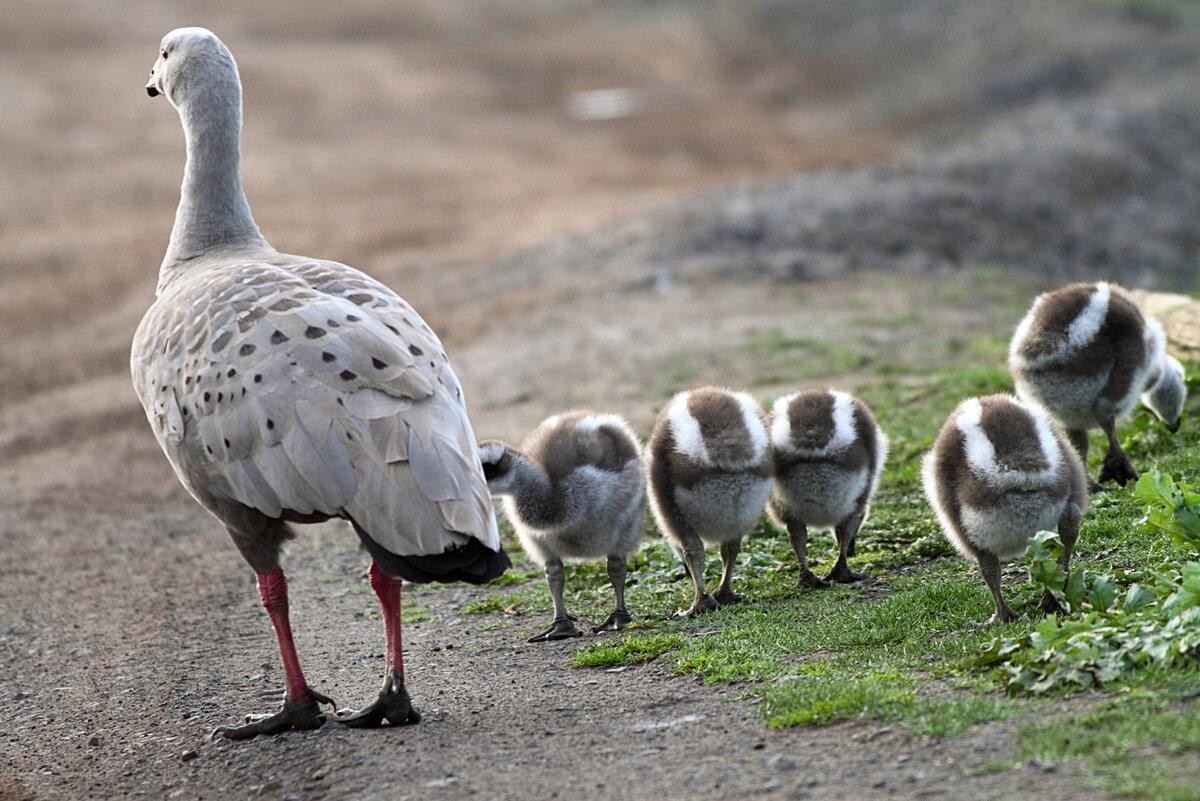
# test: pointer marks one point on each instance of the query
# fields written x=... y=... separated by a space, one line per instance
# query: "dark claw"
x=302 y=715
x=393 y=705
x=561 y=629
x=615 y=621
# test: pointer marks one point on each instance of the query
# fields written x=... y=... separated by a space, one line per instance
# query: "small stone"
x=20 y=695
x=269 y=787
x=81 y=652
x=781 y=763
x=94 y=741
x=188 y=755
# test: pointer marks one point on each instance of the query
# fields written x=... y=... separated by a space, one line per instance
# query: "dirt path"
x=433 y=145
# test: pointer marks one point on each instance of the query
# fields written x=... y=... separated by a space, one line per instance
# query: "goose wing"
x=306 y=387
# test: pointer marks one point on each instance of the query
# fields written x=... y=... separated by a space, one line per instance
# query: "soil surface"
x=840 y=174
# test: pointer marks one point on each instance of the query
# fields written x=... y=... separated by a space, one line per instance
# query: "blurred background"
x=595 y=202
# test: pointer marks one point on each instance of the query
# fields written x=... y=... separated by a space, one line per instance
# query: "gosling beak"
x=151 y=89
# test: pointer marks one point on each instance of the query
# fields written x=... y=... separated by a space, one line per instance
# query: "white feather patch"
x=752 y=417
x=781 y=429
x=686 y=430
x=981 y=453
x=844 y=434
x=1080 y=333
x=1083 y=329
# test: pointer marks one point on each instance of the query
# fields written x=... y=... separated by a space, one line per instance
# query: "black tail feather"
x=474 y=562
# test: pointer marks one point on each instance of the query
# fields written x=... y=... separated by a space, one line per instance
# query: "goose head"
x=183 y=56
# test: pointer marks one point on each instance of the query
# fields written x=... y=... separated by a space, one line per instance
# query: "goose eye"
x=164 y=55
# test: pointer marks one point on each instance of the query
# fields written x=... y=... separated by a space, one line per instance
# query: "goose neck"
x=213 y=213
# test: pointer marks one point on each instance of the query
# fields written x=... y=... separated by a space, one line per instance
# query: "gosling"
x=709 y=465
x=998 y=473
x=1086 y=353
x=574 y=490
x=829 y=453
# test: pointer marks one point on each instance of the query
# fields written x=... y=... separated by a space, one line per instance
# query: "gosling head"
x=498 y=463
x=1166 y=397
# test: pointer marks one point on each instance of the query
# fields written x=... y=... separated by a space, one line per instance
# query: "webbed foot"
x=1000 y=616
x=1117 y=467
x=393 y=705
x=705 y=603
x=726 y=596
x=1049 y=604
x=844 y=575
x=811 y=580
x=616 y=621
x=303 y=715
x=561 y=629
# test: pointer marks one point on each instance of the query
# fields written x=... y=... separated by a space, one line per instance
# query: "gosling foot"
x=616 y=621
x=705 y=603
x=1118 y=468
x=810 y=580
x=841 y=574
x=561 y=629
x=725 y=596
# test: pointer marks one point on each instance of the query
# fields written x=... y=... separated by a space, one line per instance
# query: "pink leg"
x=388 y=591
x=393 y=704
x=300 y=706
x=272 y=588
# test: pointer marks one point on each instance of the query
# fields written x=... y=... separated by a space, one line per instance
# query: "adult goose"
x=286 y=389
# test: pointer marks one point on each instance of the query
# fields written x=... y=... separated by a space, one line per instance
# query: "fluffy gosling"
x=1086 y=353
x=998 y=473
x=829 y=453
x=709 y=466
x=574 y=490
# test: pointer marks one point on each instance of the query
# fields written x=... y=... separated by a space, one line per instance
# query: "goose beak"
x=1173 y=427
x=151 y=88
